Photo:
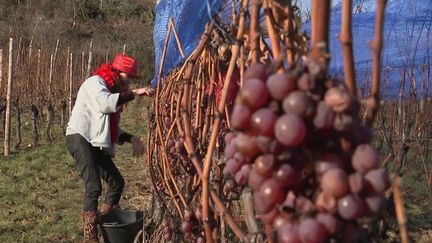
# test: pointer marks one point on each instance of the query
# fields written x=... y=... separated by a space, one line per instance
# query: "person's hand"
x=146 y=91
x=138 y=146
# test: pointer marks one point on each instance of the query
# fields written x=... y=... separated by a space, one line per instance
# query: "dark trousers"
x=94 y=164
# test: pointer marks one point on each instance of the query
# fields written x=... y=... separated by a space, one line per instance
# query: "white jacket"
x=90 y=114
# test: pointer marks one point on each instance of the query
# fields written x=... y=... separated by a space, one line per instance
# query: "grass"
x=417 y=196
x=41 y=195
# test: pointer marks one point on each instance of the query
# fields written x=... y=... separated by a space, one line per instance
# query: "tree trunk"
x=50 y=118
x=63 y=115
x=34 y=117
x=18 y=124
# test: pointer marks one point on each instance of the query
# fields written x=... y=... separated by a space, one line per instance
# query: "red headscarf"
x=109 y=76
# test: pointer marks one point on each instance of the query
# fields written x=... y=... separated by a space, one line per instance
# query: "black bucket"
x=121 y=226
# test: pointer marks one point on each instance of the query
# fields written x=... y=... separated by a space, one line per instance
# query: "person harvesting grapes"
x=92 y=131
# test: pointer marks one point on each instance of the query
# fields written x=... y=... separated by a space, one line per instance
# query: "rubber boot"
x=89 y=219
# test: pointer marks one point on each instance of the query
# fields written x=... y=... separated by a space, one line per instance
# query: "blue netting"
x=407 y=40
x=407 y=32
x=190 y=18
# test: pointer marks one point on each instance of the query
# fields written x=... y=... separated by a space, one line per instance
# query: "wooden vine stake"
x=215 y=128
x=400 y=212
x=90 y=59
x=70 y=83
x=38 y=71
x=83 y=73
x=1 y=70
x=179 y=45
x=346 y=41
x=8 y=99
x=254 y=31
x=320 y=29
x=50 y=75
x=376 y=44
x=289 y=29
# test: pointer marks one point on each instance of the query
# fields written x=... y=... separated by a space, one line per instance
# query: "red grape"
x=365 y=158
x=335 y=183
x=324 y=117
x=331 y=222
x=356 y=182
x=290 y=130
x=376 y=204
x=286 y=175
x=351 y=207
x=299 y=103
x=288 y=233
x=264 y=164
x=254 y=94
x=272 y=193
x=377 y=181
x=256 y=70
x=263 y=121
x=305 y=82
x=311 y=231
x=246 y=145
x=255 y=180
x=240 y=117
x=338 y=99
x=326 y=162
x=229 y=137
x=231 y=167
x=280 y=84
x=230 y=150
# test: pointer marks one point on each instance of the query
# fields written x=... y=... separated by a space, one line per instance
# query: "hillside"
x=110 y=24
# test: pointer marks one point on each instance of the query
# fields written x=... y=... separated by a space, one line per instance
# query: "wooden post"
x=8 y=99
x=18 y=52
x=67 y=71
x=372 y=103
x=55 y=52
x=345 y=38
x=106 y=56
x=254 y=29
x=82 y=65
x=289 y=28
x=38 y=64
x=89 y=62
x=70 y=83
x=1 y=70
x=320 y=28
x=32 y=38
x=400 y=212
x=50 y=75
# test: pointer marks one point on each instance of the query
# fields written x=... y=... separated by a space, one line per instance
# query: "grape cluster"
x=299 y=143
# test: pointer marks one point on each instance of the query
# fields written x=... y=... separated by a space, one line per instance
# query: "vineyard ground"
x=41 y=192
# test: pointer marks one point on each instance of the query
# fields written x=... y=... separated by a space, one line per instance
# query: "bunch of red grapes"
x=298 y=142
